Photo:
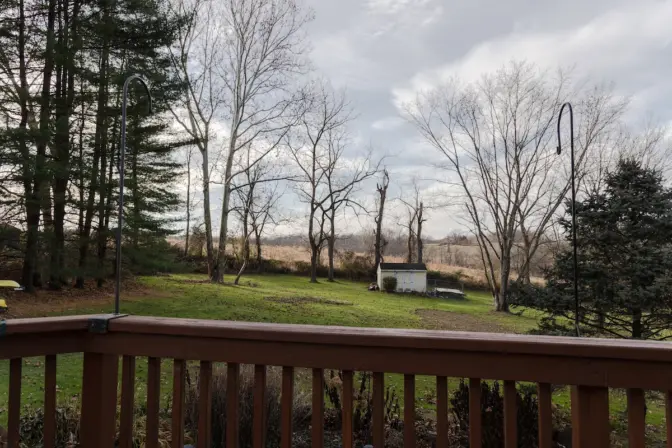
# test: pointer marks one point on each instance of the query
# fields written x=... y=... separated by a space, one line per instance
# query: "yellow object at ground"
x=3 y=305
x=9 y=284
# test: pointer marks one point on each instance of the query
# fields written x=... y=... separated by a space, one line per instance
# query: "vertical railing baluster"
x=14 y=413
x=475 y=435
x=98 y=424
x=127 y=402
x=347 y=403
x=287 y=402
x=205 y=404
x=590 y=417
x=378 y=409
x=49 y=434
x=153 y=402
x=179 y=386
x=510 y=410
x=668 y=417
x=636 y=418
x=259 y=424
x=409 y=411
x=441 y=412
x=232 y=404
x=317 y=419
x=545 y=415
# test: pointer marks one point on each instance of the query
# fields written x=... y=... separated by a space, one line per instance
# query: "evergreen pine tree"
x=625 y=261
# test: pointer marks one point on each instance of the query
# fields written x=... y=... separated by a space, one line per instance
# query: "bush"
x=389 y=284
x=301 y=414
x=492 y=415
x=356 y=267
x=31 y=427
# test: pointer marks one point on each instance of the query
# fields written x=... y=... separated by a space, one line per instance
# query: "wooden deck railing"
x=590 y=365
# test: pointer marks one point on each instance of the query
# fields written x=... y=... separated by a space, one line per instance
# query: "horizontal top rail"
x=548 y=359
x=399 y=338
x=47 y=324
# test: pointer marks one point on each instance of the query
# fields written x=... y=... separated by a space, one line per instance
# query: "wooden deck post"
x=99 y=401
x=590 y=417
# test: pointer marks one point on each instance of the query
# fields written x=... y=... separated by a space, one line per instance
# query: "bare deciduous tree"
x=326 y=112
x=498 y=138
x=264 y=49
x=382 y=195
x=195 y=56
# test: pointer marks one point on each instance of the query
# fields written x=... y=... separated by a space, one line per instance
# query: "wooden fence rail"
x=590 y=366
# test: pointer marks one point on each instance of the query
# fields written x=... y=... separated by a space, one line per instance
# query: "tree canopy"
x=624 y=241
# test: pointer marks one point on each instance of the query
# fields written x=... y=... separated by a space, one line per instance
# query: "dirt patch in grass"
x=69 y=299
x=306 y=300
x=445 y=320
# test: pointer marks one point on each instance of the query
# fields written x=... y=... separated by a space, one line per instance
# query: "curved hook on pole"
x=574 y=239
x=122 y=152
x=571 y=125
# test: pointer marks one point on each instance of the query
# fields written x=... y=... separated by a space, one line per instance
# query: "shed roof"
x=403 y=267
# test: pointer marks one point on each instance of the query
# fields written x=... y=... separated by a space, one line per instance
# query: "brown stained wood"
x=347 y=406
x=49 y=401
x=177 y=417
x=47 y=324
x=475 y=432
x=98 y=424
x=259 y=423
x=590 y=417
x=502 y=362
x=317 y=419
x=127 y=402
x=636 y=418
x=545 y=415
x=205 y=405
x=232 y=405
x=286 y=405
x=510 y=410
x=441 y=412
x=153 y=397
x=668 y=417
x=378 y=409
x=42 y=344
x=473 y=342
x=14 y=412
x=409 y=411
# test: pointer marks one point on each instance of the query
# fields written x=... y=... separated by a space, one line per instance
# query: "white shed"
x=410 y=276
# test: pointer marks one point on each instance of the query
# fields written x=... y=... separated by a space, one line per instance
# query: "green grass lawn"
x=285 y=299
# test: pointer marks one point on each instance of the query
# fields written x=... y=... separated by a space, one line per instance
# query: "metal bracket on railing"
x=3 y=327
x=100 y=323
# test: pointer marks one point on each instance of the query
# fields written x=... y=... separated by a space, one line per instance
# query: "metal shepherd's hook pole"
x=576 y=264
x=143 y=81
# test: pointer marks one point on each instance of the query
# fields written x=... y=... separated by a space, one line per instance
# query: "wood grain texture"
x=50 y=401
x=153 y=397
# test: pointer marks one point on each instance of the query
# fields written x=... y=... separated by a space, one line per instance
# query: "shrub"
x=301 y=414
x=389 y=284
x=492 y=415
x=31 y=427
x=356 y=267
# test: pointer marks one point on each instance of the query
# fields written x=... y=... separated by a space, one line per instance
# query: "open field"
x=274 y=298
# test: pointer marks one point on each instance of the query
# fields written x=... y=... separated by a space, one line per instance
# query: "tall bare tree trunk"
x=382 y=195
x=331 y=243
x=419 y=233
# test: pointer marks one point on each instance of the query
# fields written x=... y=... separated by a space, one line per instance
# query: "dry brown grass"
x=472 y=273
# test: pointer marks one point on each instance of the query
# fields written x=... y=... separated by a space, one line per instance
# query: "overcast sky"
x=385 y=50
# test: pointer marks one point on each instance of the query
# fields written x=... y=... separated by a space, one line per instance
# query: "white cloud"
x=617 y=44
x=387 y=123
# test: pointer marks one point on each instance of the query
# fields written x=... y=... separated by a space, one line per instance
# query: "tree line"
x=231 y=81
